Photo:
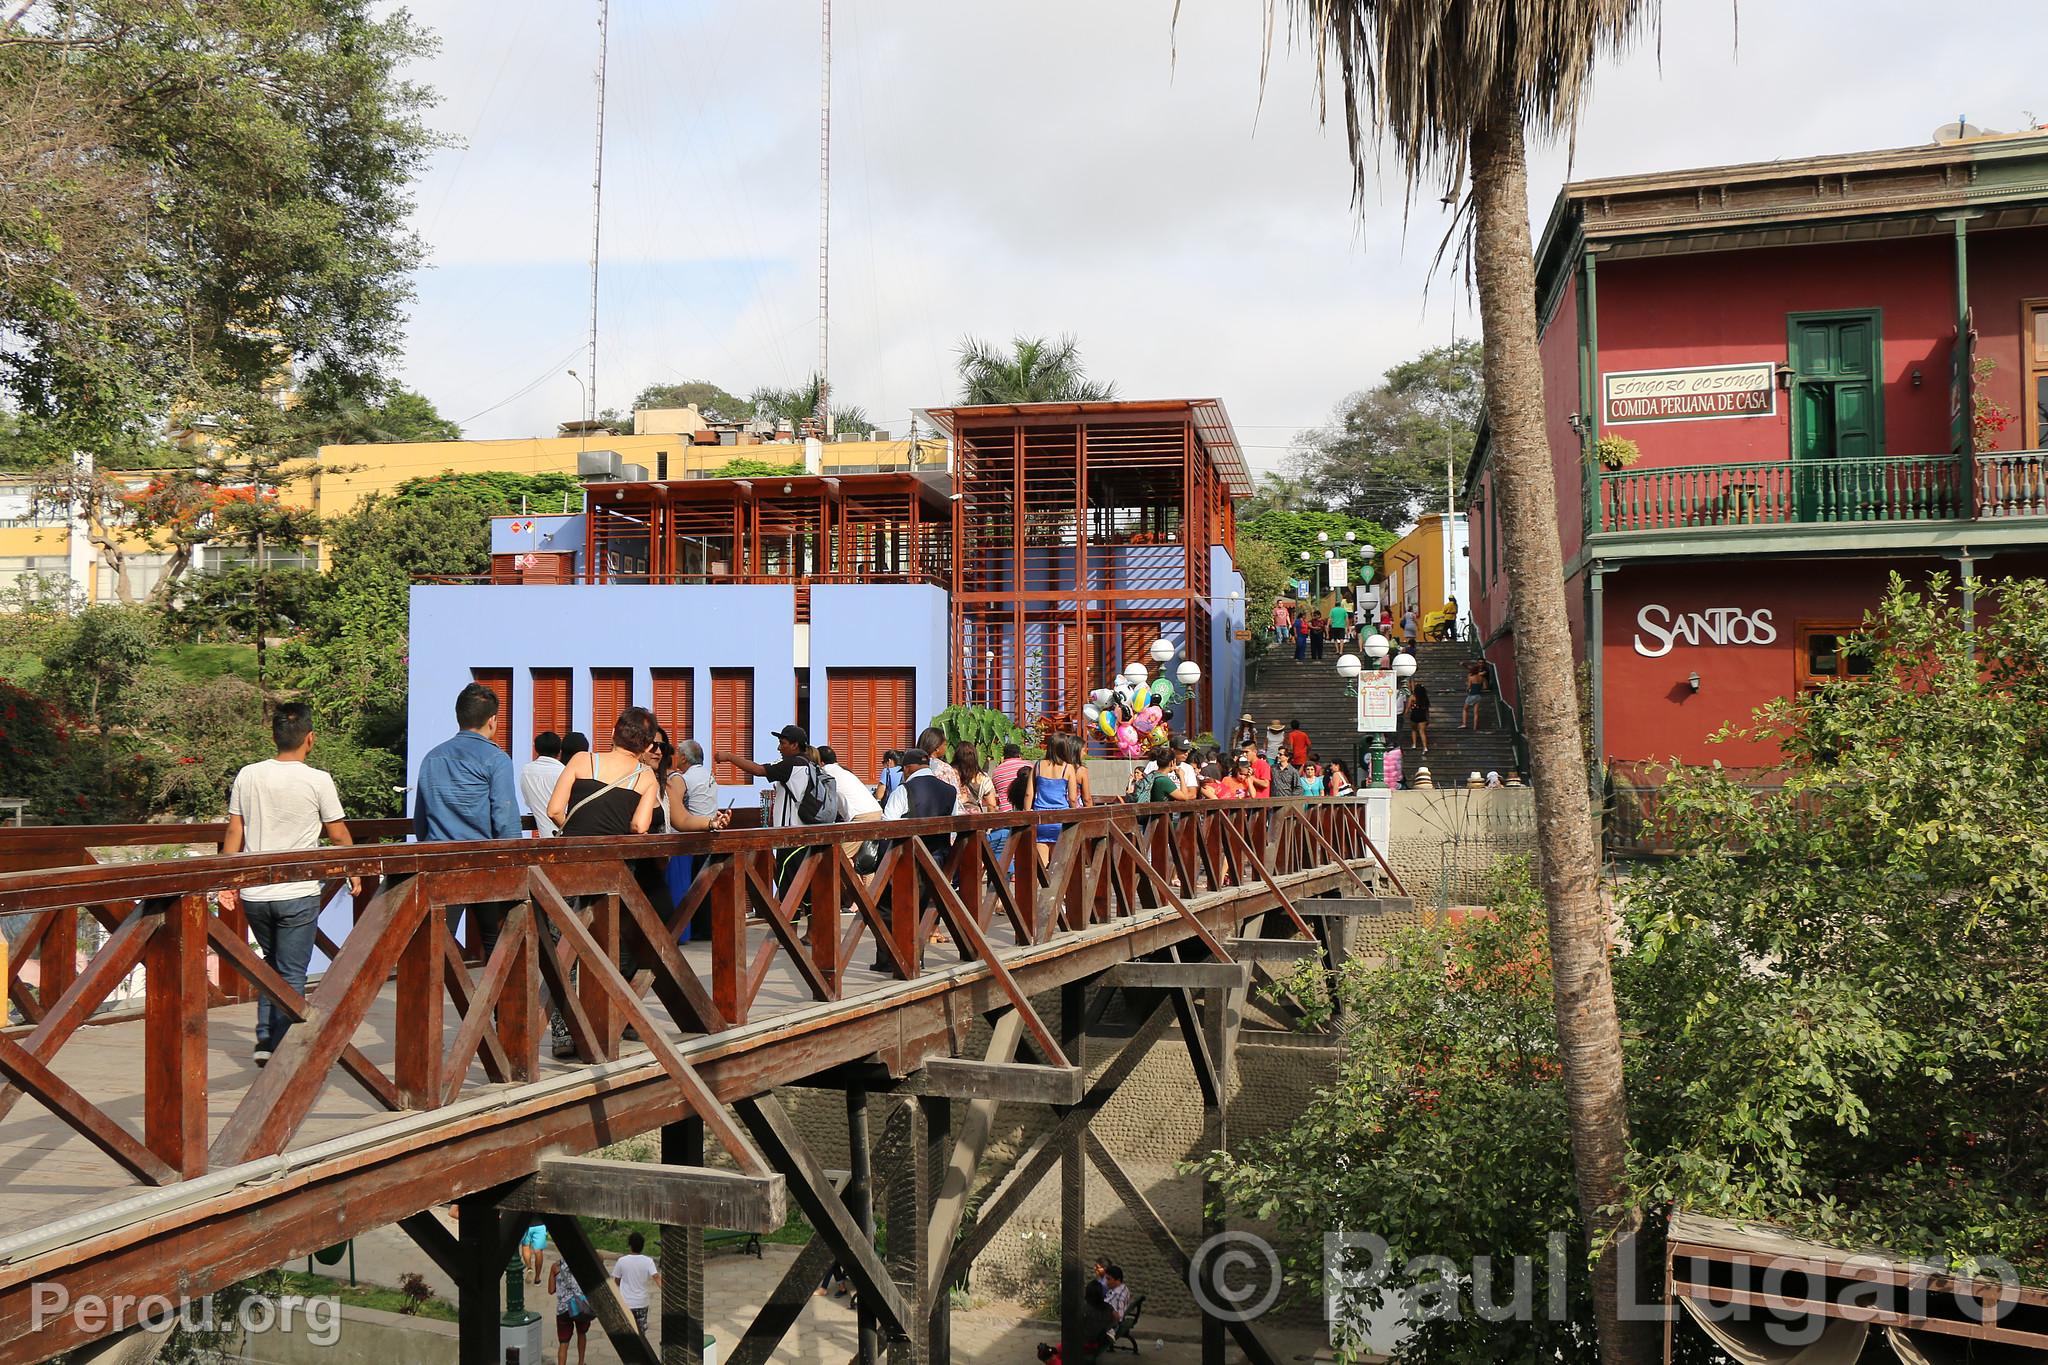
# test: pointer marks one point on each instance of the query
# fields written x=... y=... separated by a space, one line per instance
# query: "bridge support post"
x=909 y=1198
x=1216 y=1040
x=1073 y=1183
x=481 y=1263
x=860 y=1202
x=682 y=1258
x=938 y=1152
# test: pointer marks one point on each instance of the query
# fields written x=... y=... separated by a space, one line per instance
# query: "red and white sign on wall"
x=1691 y=394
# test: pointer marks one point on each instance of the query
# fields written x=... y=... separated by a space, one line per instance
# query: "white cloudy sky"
x=1006 y=168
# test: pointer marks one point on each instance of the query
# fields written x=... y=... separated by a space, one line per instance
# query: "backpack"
x=821 y=803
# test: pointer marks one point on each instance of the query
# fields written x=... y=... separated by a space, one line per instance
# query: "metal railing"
x=1786 y=492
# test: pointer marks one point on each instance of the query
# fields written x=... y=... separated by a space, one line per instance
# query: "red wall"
x=1714 y=308
x=1651 y=712
x=2005 y=267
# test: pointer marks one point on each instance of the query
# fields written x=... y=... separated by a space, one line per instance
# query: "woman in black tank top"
x=615 y=792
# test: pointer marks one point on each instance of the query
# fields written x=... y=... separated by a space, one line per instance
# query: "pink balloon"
x=1127 y=741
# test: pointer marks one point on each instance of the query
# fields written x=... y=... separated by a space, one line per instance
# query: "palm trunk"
x=1588 y=1029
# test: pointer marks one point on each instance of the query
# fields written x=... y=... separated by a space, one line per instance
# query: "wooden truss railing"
x=578 y=930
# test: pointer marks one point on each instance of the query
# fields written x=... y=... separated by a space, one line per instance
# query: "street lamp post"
x=1372 y=759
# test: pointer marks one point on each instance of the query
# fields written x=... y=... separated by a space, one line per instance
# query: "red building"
x=1832 y=369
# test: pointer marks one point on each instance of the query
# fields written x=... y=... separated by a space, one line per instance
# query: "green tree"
x=496 y=492
x=333 y=407
x=1384 y=451
x=1265 y=579
x=1450 y=87
x=91 y=667
x=206 y=197
x=1445 y=1134
x=800 y=405
x=1033 y=370
x=1296 y=533
x=1842 y=983
x=710 y=399
x=350 y=662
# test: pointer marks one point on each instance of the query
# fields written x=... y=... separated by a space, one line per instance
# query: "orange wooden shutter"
x=672 y=702
x=499 y=680
x=551 y=708
x=611 y=691
x=732 y=719
x=871 y=712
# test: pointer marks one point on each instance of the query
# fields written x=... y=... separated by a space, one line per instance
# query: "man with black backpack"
x=804 y=795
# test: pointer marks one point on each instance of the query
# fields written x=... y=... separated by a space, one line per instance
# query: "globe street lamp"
x=1163 y=649
x=1372 y=758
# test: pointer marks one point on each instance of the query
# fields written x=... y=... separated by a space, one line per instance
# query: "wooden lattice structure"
x=856 y=528
x=1082 y=532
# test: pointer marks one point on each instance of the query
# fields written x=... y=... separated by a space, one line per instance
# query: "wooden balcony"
x=1884 y=490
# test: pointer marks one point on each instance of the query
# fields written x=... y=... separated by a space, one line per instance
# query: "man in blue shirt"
x=466 y=786
x=467 y=790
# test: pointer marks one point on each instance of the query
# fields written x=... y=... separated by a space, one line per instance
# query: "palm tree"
x=800 y=405
x=1033 y=371
x=1451 y=84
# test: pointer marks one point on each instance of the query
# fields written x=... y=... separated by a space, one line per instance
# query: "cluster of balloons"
x=1128 y=710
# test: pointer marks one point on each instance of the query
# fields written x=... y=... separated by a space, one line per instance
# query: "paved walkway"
x=994 y=1332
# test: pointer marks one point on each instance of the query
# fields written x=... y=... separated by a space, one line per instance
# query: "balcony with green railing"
x=1893 y=488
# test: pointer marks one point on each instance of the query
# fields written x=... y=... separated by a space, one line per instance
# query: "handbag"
x=579 y=1307
x=868 y=856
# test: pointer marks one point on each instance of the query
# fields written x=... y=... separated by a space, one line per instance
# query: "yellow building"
x=348 y=474
x=667 y=443
x=1416 y=569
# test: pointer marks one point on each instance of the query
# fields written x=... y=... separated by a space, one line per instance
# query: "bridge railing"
x=578 y=933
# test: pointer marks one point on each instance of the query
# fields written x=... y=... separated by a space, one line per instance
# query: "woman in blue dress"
x=1059 y=781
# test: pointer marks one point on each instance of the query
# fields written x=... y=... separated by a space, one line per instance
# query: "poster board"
x=1379 y=701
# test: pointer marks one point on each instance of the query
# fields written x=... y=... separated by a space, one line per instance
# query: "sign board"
x=1241 y=635
x=1379 y=701
x=1714 y=626
x=1692 y=394
x=1339 y=572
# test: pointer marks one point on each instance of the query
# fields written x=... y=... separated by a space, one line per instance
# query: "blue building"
x=1067 y=539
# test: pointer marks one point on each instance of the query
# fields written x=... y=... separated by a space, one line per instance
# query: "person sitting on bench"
x=1098 y=1323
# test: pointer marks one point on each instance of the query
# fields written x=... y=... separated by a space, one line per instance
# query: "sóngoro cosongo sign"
x=1701 y=391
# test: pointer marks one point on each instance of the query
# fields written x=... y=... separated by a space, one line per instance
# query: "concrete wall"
x=1444 y=843
x=878 y=626
x=648 y=626
x=1224 y=668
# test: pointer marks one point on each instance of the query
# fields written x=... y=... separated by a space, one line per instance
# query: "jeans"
x=1300 y=647
x=284 y=931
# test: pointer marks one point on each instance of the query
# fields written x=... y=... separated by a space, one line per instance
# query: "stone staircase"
x=1454 y=753
x=1312 y=692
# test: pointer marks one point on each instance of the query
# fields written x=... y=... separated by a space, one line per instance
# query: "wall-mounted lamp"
x=1577 y=423
x=1916 y=377
x=1784 y=373
x=1692 y=680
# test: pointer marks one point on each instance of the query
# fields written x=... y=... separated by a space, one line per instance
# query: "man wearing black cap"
x=792 y=773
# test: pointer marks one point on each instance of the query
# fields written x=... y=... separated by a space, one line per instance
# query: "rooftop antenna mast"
x=604 y=14
x=823 y=416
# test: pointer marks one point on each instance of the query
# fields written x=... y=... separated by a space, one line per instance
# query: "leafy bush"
x=986 y=728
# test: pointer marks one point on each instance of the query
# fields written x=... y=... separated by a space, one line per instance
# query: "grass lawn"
x=186 y=663
x=609 y=1234
x=364 y=1295
x=202 y=663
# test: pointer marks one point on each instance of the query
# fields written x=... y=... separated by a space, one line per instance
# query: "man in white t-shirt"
x=537 y=781
x=277 y=806
x=636 y=1274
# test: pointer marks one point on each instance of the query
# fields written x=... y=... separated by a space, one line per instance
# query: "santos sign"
x=1714 y=626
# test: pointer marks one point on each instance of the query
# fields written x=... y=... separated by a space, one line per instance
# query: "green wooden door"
x=1837 y=417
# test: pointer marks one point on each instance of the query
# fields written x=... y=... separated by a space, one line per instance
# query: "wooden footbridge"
x=142 y=1153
